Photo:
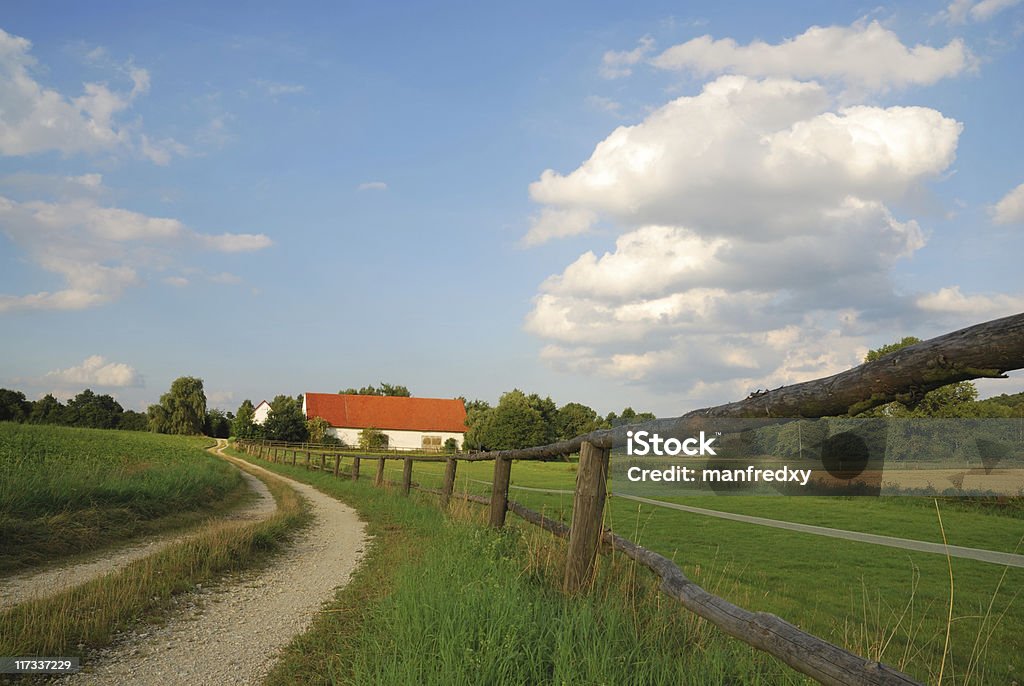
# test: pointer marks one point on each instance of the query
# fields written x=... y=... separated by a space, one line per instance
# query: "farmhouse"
x=409 y=423
x=261 y=411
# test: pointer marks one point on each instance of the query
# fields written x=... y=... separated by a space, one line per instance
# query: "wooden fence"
x=984 y=350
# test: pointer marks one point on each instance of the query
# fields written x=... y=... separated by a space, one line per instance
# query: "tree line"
x=520 y=421
x=87 y=409
x=182 y=410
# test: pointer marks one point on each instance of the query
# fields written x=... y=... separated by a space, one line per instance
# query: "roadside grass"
x=445 y=600
x=65 y=490
x=884 y=603
x=87 y=616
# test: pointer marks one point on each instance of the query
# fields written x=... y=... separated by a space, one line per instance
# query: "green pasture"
x=884 y=603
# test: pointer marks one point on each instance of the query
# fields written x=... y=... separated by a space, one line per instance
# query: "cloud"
x=555 y=223
x=1009 y=210
x=276 y=88
x=53 y=185
x=615 y=65
x=38 y=119
x=951 y=301
x=176 y=281
x=234 y=242
x=219 y=398
x=960 y=11
x=603 y=104
x=87 y=180
x=760 y=158
x=99 y=252
x=161 y=152
x=756 y=242
x=96 y=371
x=862 y=55
x=226 y=278
x=372 y=186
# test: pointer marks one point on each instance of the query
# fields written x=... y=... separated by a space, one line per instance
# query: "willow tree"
x=182 y=410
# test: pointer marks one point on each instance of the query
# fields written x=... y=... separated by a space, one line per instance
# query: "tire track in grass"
x=18 y=588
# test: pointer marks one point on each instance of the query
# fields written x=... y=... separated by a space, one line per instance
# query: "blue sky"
x=663 y=205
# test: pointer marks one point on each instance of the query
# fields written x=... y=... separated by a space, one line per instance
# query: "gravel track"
x=28 y=585
x=232 y=632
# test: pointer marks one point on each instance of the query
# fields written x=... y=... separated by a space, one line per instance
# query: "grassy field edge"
x=442 y=599
x=86 y=617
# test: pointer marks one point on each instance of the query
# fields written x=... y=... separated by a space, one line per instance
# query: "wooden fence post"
x=406 y=475
x=307 y=461
x=587 y=516
x=499 y=491
x=323 y=462
x=355 y=468
x=449 y=481
x=379 y=481
x=337 y=464
x=295 y=456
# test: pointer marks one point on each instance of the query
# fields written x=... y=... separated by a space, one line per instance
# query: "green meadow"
x=68 y=490
x=885 y=603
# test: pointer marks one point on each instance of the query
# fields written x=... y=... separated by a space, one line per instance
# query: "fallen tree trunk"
x=982 y=351
x=987 y=350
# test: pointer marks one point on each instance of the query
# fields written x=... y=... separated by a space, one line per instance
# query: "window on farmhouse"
x=432 y=443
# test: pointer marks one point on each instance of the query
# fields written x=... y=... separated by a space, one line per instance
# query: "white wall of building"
x=260 y=415
x=396 y=438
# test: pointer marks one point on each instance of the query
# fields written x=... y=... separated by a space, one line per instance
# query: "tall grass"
x=442 y=600
x=65 y=490
x=85 y=617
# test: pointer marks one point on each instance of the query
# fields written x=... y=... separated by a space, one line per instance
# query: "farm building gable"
x=408 y=422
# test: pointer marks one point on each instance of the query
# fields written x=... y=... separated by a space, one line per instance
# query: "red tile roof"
x=387 y=412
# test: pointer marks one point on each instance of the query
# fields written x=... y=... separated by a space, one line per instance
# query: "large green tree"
x=514 y=423
x=243 y=425
x=13 y=406
x=182 y=410
x=93 y=411
x=576 y=419
x=286 y=420
x=133 y=421
x=218 y=423
x=47 y=410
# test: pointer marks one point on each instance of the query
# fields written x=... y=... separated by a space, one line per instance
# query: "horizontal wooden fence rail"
x=986 y=350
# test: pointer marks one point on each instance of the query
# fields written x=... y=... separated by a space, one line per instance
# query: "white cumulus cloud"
x=756 y=242
x=960 y=11
x=862 y=55
x=97 y=251
x=35 y=118
x=557 y=223
x=760 y=158
x=1010 y=210
x=616 y=64
x=96 y=371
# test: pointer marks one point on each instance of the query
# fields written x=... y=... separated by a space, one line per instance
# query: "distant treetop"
x=383 y=389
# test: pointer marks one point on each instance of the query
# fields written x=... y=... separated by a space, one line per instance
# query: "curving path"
x=28 y=585
x=232 y=633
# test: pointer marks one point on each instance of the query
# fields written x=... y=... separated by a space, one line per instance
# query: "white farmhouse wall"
x=260 y=415
x=396 y=438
